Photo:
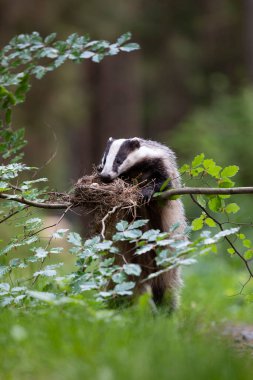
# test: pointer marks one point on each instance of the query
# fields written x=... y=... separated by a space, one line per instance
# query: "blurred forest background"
x=190 y=85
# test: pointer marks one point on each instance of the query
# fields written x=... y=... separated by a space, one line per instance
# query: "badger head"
x=119 y=156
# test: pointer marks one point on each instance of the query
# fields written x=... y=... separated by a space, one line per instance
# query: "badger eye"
x=99 y=168
x=118 y=161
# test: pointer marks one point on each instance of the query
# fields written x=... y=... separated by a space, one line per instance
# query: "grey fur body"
x=151 y=164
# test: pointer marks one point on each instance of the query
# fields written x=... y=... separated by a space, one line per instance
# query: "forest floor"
x=209 y=338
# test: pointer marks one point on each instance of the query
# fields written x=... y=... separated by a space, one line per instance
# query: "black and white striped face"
x=119 y=156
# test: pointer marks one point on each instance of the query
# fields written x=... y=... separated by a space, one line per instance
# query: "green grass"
x=73 y=342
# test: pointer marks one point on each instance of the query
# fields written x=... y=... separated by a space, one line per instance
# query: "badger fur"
x=151 y=164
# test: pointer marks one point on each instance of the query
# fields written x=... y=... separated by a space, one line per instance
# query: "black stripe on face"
x=126 y=148
x=107 y=148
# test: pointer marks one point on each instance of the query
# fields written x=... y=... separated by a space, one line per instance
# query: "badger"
x=151 y=164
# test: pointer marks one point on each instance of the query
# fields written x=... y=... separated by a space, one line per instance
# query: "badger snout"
x=105 y=178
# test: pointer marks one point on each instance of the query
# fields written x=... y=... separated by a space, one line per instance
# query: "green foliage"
x=96 y=261
x=24 y=57
x=70 y=340
x=28 y=56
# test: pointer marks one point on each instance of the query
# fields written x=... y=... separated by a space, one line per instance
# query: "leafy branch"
x=29 y=55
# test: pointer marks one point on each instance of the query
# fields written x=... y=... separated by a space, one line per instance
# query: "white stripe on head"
x=108 y=167
x=138 y=155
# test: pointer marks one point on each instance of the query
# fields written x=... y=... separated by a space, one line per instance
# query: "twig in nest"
x=104 y=219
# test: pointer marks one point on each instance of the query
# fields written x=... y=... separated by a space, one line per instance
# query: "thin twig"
x=12 y=214
x=112 y=211
x=53 y=155
x=50 y=239
x=225 y=237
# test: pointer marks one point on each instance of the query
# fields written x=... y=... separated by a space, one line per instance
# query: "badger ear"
x=110 y=139
x=135 y=143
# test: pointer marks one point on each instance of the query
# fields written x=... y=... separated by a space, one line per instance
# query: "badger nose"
x=105 y=178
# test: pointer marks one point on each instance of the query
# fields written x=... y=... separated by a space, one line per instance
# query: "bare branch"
x=206 y=190
x=35 y=204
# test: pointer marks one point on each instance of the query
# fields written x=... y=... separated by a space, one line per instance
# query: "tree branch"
x=35 y=204
x=206 y=190
x=165 y=195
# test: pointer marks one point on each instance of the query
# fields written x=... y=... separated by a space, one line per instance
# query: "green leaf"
x=229 y=171
x=226 y=183
x=150 y=235
x=75 y=239
x=104 y=245
x=132 y=234
x=201 y=200
x=119 y=236
x=125 y=288
x=165 y=184
x=185 y=168
x=42 y=296
x=195 y=172
x=98 y=57
x=4 y=269
x=87 y=54
x=231 y=251
x=4 y=186
x=59 y=234
x=197 y=224
x=48 y=271
x=39 y=72
x=41 y=253
x=122 y=225
x=124 y=38
x=248 y=254
x=210 y=222
x=137 y=224
x=144 y=249
x=56 y=250
x=132 y=269
x=227 y=232
x=211 y=168
x=164 y=242
x=130 y=47
x=119 y=277
x=50 y=38
x=198 y=160
x=45 y=272
x=232 y=208
x=209 y=164
x=215 y=204
x=215 y=171
x=30 y=240
x=247 y=243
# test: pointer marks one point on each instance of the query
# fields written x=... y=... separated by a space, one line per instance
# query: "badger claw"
x=147 y=194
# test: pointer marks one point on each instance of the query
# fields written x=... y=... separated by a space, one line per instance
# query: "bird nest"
x=106 y=202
